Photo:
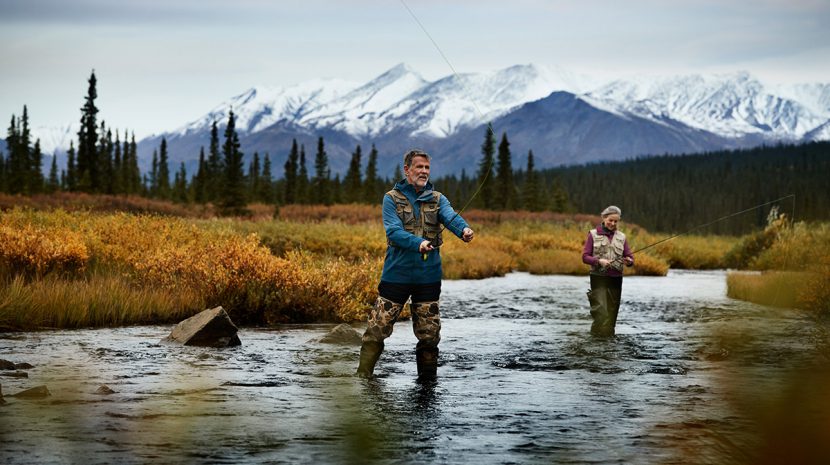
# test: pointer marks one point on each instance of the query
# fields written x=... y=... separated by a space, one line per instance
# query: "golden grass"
x=262 y=270
x=776 y=288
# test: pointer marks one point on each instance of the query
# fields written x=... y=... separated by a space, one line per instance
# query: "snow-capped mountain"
x=54 y=139
x=731 y=106
x=400 y=109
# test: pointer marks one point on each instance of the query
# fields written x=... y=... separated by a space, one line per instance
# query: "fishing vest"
x=426 y=225
x=609 y=249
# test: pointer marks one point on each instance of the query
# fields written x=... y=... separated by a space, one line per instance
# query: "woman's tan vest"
x=426 y=225
x=609 y=249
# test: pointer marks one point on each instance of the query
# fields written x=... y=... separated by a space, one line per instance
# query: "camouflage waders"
x=604 y=298
x=426 y=324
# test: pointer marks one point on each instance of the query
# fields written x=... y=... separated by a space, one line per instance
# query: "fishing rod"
x=713 y=222
x=480 y=114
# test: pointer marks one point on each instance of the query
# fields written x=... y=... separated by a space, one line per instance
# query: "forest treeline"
x=667 y=193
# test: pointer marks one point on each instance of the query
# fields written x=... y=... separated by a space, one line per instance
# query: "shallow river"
x=520 y=381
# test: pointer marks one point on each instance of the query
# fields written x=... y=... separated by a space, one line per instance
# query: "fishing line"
x=715 y=221
x=480 y=114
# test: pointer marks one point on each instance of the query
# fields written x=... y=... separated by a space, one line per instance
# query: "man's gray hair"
x=611 y=210
x=408 y=156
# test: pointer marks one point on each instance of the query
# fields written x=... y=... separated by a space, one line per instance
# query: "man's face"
x=417 y=173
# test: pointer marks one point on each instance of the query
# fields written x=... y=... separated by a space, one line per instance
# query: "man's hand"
x=467 y=235
x=425 y=247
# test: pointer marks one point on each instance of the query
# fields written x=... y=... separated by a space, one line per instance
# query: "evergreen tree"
x=152 y=182
x=105 y=154
x=253 y=178
x=15 y=180
x=397 y=175
x=36 y=182
x=71 y=170
x=117 y=168
x=3 y=187
x=53 y=184
x=505 y=186
x=88 y=175
x=336 y=189
x=531 y=199
x=136 y=184
x=302 y=179
x=560 y=196
x=371 y=183
x=163 y=190
x=266 y=182
x=320 y=190
x=233 y=193
x=352 y=182
x=199 y=185
x=291 y=165
x=216 y=172
x=485 y=170
x=179 y=194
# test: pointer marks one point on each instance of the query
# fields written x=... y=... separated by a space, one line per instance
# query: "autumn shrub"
x=35 y=251
x=552 y=261
x=696 y=252
x=774 y=288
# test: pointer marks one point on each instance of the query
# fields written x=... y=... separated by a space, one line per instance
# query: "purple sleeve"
x=627 y=252
x=588 y=252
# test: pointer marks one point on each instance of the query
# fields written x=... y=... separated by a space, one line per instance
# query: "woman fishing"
x=606 y=250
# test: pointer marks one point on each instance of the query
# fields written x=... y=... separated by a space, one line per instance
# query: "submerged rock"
x=1 y=395
x=104 y=390
x=33 y=393
x=23 y=366
x=342 y=334
x=210 y=328
x=6 y=365
x=15 y=374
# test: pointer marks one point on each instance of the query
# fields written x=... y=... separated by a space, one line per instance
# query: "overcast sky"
x=161 y=64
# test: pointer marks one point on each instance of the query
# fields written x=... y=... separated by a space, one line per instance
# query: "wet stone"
x=210 y=328
x=104 y=390
x=1 y=395
x=6 y=365
x=342 y=334
x=23 y=366
x=37 y=392
x=15 y=374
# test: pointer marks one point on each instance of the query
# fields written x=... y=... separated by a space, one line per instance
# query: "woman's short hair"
x=408 y=156
x=611 y=210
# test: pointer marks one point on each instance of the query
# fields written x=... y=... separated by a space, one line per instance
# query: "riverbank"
x=76 y=269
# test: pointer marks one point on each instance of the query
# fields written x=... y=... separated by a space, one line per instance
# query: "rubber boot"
x=427 y=360
x=369 y=354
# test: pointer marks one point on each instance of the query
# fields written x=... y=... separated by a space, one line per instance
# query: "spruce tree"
x=15 y=180
x=320 y=190
x=216 y=172
x=199 y=184
x=397 y=175
x=117 y=168
x=87 y=162
x=302 y=179
x=266 y=182
x=371 y=182
x=291 y=166
x=179 y=194
x=485 y=169
x=505 y=186
x=71 y=170
x=530 y=191
x=2 y=173
x=136 y=184
x=352 y=182
x=53 y=184
x=253 y=178
x=163 y=190
x=35 y=178
x=233 y=193
x=105 y=151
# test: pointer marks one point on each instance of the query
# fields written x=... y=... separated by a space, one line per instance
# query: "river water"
x=520 y=381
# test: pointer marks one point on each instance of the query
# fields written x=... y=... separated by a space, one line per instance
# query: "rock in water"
x=104 y=390
x=210 y=328
x=342 y=334
x=33 y=393
x=1 y=395
x=6 y=365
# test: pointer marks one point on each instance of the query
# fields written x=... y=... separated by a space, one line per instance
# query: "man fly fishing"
x=412 y=215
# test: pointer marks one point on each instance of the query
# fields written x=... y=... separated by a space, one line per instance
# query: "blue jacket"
x=404 y=263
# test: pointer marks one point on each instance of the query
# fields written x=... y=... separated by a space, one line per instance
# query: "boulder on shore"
x=342 y=334
x=210 y=328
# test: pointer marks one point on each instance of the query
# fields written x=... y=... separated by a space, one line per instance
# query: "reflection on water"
x=520 y=380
